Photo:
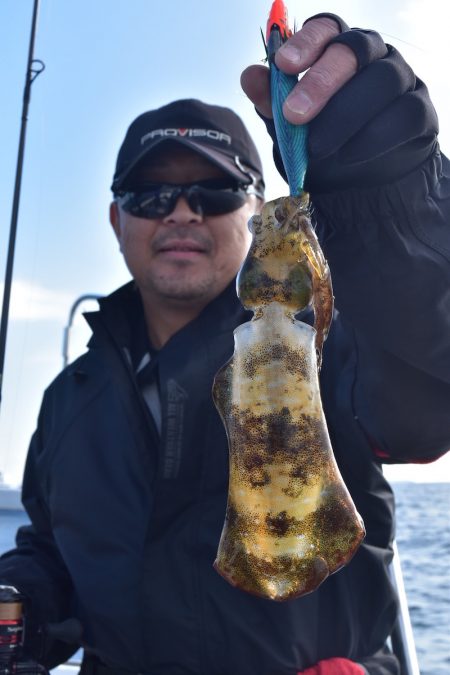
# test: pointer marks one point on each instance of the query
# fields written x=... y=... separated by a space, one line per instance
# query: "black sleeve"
x=36 y=568
x=381 y=663
x=389 y=252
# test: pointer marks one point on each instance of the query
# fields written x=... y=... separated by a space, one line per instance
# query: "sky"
x=106 y=62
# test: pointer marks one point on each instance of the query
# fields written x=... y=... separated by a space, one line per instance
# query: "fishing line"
x=405 y=42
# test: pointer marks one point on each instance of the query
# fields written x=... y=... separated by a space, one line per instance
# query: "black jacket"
x=125 y=525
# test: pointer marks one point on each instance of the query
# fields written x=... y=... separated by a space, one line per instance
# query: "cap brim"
x=219 y=159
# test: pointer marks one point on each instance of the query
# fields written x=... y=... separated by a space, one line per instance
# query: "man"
x=126 y=477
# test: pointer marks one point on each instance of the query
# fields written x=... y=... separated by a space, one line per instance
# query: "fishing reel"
x=12 y=632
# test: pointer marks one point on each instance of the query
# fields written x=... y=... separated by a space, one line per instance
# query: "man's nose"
x=183 y=214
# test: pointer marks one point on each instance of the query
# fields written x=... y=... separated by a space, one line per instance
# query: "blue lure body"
x=292 y=138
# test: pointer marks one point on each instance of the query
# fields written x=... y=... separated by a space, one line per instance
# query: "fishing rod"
x=34 y=68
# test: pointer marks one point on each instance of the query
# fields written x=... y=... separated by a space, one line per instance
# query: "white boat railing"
x=402 y=638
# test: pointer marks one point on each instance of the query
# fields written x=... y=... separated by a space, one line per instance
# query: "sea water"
x=423 y=538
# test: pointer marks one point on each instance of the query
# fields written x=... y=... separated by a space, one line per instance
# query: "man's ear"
x=114 y=218
x=256 y=204
x=259 y=205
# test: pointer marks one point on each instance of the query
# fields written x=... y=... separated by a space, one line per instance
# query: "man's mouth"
x=181 y=248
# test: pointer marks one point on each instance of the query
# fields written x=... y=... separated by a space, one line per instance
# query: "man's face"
x=184 y=257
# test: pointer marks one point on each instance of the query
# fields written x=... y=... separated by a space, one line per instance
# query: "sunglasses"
x=211 y=197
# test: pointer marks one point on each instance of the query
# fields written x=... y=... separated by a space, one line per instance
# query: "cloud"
x=423 y=29
x=32 y=302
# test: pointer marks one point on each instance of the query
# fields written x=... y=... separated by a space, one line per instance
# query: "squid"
x=290 y=521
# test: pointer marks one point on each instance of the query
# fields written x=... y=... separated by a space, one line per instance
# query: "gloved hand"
x=370 y=118
x=335 y=666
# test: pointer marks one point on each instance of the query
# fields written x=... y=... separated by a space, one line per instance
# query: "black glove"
x=380 y=126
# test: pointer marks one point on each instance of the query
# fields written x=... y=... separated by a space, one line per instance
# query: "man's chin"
x=182 y=289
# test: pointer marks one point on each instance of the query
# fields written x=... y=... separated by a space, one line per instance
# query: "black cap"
x=216 y=133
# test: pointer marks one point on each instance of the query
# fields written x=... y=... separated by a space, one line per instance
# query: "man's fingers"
x=333 y=69
x=255 y=81
x=300 y=52
x=306 y=46
x=328 y=67
x=336 y=67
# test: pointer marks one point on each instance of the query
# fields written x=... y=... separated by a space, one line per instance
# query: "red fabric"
x=336 y=666
x=380 y=453
x=424 y=460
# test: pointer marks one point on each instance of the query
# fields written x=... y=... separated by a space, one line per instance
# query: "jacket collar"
x=121 y=314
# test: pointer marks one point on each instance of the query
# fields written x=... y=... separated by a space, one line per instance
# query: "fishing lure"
x=292 y=138
x=290 y=521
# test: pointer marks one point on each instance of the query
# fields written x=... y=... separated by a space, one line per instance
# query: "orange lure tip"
x=278 y=17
